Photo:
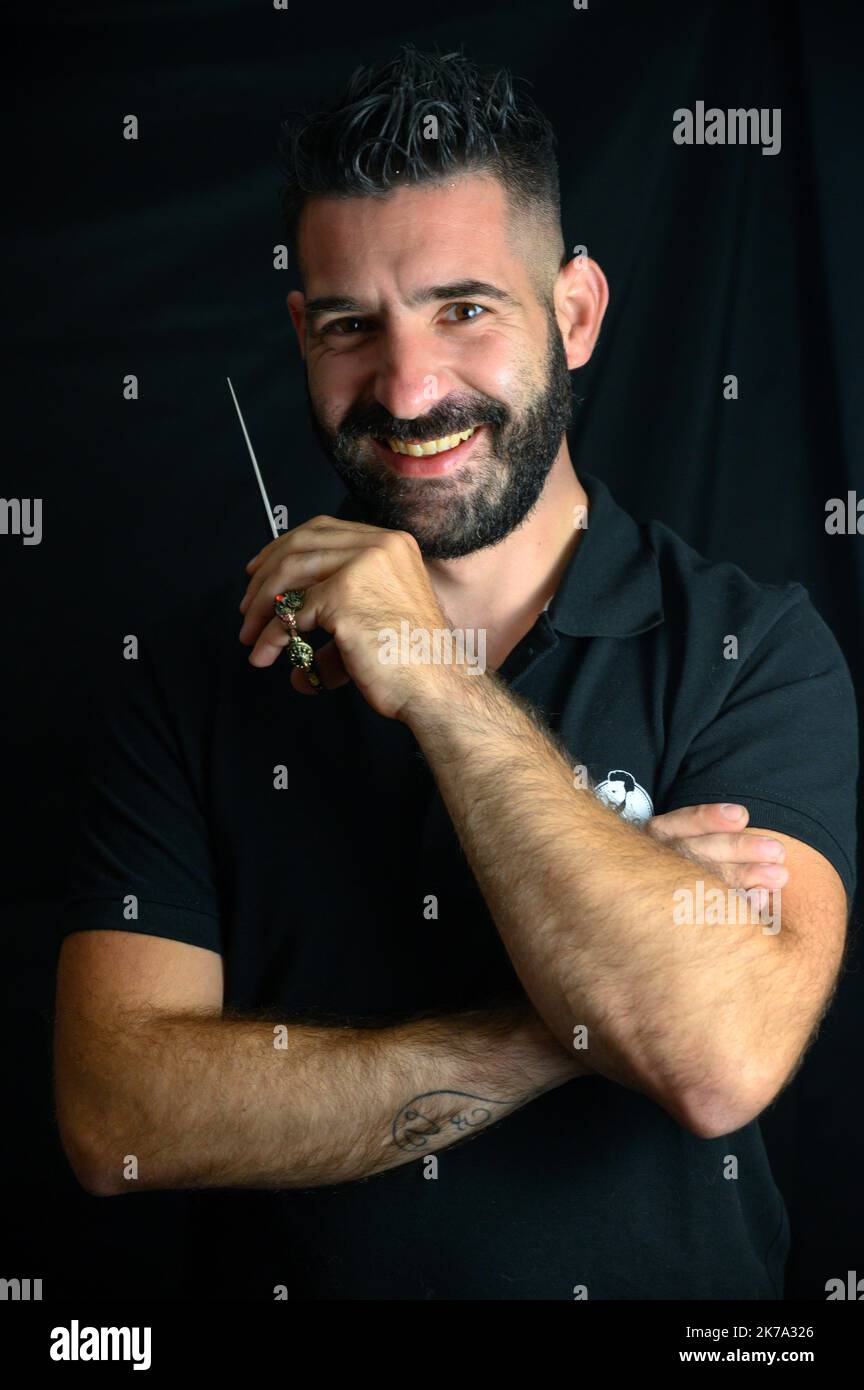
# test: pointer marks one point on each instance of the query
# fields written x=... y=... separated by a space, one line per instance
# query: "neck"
x=505 y=587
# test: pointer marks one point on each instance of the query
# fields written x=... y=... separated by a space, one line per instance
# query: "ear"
x=296 y=302
x=581 y=295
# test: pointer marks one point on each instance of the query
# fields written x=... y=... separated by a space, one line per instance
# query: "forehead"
x=429 y=231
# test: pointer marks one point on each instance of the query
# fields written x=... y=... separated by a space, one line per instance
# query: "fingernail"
x=731 y=811
x=774 y=846
x=772 y=871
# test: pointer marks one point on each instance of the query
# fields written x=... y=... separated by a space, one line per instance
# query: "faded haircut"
x=379 y=136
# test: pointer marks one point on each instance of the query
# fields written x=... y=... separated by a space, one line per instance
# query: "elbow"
x=711 y=1116
x=96 y=1182
x=92 y=1173
x=719 y=1107
x=84 y=1148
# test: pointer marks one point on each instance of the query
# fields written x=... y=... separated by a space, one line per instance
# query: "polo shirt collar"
x=611 y=586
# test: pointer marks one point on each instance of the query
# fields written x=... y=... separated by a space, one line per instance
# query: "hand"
x=359 y=580
x=743 y=858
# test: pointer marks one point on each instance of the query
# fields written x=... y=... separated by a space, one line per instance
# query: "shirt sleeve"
x=141 y=858
x=784 y=743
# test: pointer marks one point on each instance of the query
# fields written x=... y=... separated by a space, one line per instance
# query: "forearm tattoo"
x=415 y=1125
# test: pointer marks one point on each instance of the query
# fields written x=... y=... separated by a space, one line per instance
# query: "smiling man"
x=312 y=941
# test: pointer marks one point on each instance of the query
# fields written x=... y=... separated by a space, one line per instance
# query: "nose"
x=410 y=377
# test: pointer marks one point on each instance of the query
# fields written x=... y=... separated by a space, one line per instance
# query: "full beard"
x=453 y=516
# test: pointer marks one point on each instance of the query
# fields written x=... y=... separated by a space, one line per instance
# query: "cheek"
x=505 y=368
x=334 y=387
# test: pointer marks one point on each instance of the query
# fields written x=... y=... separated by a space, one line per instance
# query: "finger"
x=309 y=540
x=318 y=525
x=270 y=643
x=294 y=571
x=736 y=849
x=767 y=876
x=292 y=542
x=274 y=635
x=699 y=820
x=268 y=549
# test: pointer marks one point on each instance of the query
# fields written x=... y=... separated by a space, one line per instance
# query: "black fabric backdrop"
x=155 y=257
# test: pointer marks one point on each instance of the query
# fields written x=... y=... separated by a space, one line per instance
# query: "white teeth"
x=434 y=446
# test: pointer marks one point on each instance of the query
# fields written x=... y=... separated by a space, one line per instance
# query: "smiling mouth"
x=431 y=446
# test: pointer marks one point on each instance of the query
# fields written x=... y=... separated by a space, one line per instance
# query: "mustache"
x=442 y=420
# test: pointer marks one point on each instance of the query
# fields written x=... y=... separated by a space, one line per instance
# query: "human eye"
x=343 y=327
x=481 y=310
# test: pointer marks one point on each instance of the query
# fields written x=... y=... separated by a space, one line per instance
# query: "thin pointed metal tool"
x=264 y=496
x=297 y=647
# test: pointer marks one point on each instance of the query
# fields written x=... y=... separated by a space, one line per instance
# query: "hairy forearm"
x=584 y=903
x=221 y=1101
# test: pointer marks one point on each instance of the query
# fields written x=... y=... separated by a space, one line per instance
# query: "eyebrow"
x=427 y=294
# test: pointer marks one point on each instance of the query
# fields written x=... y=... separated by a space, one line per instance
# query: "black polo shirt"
x=314 y=894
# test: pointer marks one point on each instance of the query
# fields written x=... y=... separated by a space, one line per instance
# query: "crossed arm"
x=157 y=1087
x=710 y=1021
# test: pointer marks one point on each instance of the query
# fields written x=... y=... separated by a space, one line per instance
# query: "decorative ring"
x=288 y=604
x=300 y=654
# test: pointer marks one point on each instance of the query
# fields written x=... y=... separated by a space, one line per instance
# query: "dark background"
x=154 y=257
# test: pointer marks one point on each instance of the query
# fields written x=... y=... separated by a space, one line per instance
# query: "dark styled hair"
x=377 y=136
x=625 y=777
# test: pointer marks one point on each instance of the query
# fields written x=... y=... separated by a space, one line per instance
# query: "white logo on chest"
x=622 y=792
